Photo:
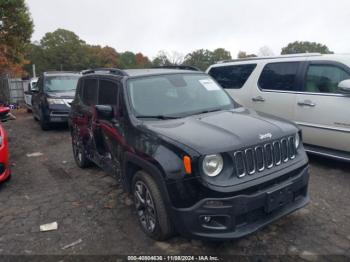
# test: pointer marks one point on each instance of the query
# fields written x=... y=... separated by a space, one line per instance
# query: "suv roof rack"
x=182 y=67
x=60 y=72
x=115 y=71
x=269 y=57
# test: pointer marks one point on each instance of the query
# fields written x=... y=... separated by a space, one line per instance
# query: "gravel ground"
x=92 y=210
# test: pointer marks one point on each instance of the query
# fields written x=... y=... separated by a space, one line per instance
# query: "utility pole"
x=34 y=73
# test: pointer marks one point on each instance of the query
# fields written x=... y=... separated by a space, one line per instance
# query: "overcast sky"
x=186 y=25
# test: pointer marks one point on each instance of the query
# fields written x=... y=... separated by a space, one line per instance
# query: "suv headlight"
x=212 y=165
x=297 y=140
x=55 y=101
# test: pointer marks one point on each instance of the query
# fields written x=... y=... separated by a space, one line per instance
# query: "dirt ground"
x=91 y=208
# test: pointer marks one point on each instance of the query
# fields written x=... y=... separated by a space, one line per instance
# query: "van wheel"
x=79 y=151
x=150 y=208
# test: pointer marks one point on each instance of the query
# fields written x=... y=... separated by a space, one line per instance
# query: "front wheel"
x=43 y=123
x=150 y=208
x=79 y=151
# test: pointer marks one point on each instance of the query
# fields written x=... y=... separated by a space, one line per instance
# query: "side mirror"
x=104 y=112
x=33 y=87
x=344 y=86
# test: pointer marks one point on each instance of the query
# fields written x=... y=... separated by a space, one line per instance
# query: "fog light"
x=206 y=219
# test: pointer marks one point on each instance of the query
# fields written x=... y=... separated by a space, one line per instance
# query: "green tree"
x=127 y=60
x=220 y=54
x=161 y=59
x=35 y=55
x=242 y=54
x=15 y=33
x=201 y=58
x=64 y=50
x=305 y=47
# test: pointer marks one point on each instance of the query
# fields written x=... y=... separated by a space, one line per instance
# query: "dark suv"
x=52 y=96
x=195 y=161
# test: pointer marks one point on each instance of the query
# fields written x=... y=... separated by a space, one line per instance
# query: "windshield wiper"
x=207 y=111
x=162 y=117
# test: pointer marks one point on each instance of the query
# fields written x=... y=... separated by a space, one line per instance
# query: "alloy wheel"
x=145 y=207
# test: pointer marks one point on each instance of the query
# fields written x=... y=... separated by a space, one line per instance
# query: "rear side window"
x=324 y=78
x=90 y=92
x=232 y=77
x=107 y=93
x=279 y=76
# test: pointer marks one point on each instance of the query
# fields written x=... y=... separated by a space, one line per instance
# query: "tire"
x=79 y=152
x=35 y=118
x=8 y=179
x=147 y=198
x=43 y=124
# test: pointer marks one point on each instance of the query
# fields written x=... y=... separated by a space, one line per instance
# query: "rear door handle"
x=306 y=103
x=258 y=99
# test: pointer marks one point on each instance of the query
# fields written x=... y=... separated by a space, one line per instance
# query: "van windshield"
x=176 y=95
x=61 y=83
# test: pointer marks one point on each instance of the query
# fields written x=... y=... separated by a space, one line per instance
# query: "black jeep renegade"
x=195 y=161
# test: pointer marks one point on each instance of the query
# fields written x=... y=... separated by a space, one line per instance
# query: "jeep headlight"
x=212 y=165
x=55 y=101
x=297 y=140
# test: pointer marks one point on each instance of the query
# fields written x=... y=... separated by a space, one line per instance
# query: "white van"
x=313 y=90
x=28 y=93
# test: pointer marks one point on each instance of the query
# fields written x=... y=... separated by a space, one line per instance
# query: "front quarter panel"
x=167 y=155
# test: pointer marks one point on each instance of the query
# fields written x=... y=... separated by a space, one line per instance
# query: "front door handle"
x=258 y=99
x=306 y=103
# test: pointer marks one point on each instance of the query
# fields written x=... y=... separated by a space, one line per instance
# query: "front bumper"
x=58 y=113
x=4 y=157
x=237 y=216
x=58 y=116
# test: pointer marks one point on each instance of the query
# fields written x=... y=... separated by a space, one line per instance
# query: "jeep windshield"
x=176 y=95
x=61 y=83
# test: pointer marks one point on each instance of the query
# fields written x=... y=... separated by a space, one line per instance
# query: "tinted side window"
x=79 y=90
x=232 y=77
x=90 y=92
x=107 y=93
x=279 y=76
x=39 y=85
x=324 y=78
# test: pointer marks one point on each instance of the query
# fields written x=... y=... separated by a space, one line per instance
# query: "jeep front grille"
x=268 y=155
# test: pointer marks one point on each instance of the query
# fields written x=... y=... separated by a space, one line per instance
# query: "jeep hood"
x=224 y=130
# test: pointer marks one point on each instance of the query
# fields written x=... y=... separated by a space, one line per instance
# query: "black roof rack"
x=182 y=67
x=115 y=71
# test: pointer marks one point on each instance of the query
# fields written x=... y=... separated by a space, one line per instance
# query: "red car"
x=4 y=151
